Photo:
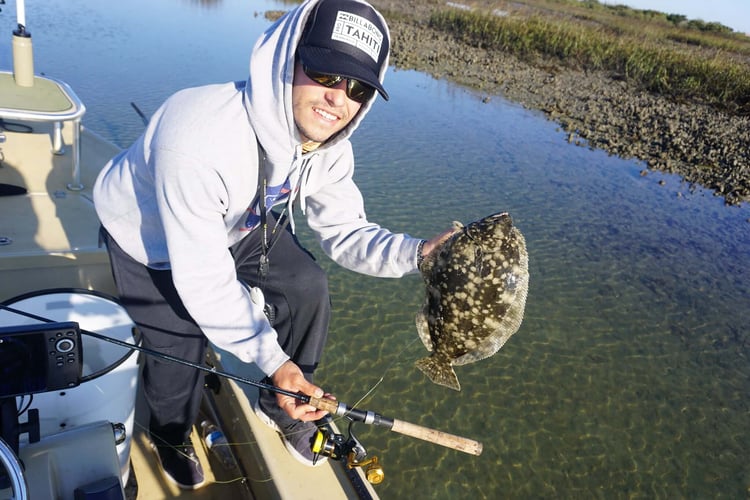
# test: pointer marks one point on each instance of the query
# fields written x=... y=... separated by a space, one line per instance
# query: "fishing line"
x=147 y=432
x=385 y=371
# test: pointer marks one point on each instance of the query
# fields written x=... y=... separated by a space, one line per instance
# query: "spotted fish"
x=476 y=283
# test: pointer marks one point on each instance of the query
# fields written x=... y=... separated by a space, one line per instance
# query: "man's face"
x=320 y=112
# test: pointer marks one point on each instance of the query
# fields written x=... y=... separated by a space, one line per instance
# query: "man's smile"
x=325 y=114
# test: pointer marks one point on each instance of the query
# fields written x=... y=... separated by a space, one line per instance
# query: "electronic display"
x=39 y=358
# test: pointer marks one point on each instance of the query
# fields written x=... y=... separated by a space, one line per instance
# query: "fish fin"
x=431 y=259
x=428 y=262
x=425 y=267
x=439 y=373
x=509 y=325
x=489 y=346
x=423 y=329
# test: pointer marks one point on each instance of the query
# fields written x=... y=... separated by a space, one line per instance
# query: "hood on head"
x=268 y=94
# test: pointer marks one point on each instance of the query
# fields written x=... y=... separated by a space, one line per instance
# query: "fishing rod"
x=143 y=116
x=458 y=443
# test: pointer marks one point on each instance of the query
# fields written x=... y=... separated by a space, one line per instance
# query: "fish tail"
x=439 y=373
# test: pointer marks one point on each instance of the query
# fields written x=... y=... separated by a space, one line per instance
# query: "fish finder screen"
x=23 y=364
x=39 y=358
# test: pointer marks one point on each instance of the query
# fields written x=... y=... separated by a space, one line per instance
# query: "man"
x=196 y=252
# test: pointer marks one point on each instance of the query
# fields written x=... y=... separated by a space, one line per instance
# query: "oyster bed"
x=705 y=146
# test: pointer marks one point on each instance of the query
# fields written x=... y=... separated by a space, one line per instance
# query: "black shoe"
x=298 y=436
x=180 y=464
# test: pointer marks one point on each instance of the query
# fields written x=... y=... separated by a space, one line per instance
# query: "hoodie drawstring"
x=287 y=215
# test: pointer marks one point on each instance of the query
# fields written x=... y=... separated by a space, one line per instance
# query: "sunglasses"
x=355 y=90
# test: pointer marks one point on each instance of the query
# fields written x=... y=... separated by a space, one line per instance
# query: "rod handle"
x=438 y=437
x=416 y=431
x=325 y=404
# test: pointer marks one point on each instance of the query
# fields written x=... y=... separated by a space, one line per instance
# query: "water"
x=629 y=376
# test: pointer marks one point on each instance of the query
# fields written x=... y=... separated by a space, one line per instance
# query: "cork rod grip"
x=325 y=404
x=416 y=431
x=442 y=438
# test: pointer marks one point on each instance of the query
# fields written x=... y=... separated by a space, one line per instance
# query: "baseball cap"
x=346 y=38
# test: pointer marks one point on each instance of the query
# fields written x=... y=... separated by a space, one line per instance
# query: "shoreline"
x=705 y=146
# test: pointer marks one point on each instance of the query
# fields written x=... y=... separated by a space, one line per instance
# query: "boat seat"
x=77 y=458
x=48 y=100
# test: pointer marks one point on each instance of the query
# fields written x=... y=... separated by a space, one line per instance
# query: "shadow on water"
x=629 y=376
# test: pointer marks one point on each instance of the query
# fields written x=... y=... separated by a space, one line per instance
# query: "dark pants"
x=295 y=287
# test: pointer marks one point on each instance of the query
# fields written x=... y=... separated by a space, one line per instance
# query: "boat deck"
x=49 y=239
x=49 y=229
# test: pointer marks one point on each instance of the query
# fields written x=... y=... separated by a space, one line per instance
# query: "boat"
x=72 y=416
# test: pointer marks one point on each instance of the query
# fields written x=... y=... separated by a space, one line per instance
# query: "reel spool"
x=338 y=447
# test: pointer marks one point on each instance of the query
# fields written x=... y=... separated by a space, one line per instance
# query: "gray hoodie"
x=180 y=196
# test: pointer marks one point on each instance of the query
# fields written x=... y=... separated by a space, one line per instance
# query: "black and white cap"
x=346 y=38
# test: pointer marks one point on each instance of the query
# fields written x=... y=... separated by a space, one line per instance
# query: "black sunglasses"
x=355 y=90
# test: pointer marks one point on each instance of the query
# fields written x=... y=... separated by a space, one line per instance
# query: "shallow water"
x=629 y=376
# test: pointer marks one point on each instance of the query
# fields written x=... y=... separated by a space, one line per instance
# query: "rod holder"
x=23 y=57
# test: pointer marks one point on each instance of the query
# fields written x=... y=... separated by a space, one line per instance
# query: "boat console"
x=33 y=359
x=67 y=400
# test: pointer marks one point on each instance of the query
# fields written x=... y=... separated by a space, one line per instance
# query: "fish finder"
x=39 y=358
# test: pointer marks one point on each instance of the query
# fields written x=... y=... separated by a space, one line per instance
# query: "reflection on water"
x=630 y=374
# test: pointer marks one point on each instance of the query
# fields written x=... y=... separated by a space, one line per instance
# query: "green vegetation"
x=663 y=53
x=650 y=15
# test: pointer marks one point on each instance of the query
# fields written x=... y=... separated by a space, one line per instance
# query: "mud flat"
x=705 y=146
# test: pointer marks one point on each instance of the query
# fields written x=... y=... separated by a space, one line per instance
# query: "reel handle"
x=408 y=429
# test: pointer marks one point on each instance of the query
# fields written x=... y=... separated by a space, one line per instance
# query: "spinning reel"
x=339 y=447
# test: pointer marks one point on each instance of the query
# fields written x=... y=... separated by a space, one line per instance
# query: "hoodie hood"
x=268 y=94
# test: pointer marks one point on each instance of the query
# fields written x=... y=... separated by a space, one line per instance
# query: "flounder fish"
x=476 y=286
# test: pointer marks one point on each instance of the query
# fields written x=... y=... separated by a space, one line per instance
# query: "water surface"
x=630 y=374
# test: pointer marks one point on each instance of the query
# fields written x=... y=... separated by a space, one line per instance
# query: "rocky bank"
x=705 y=146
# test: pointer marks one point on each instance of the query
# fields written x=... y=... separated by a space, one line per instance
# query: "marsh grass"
x=684 y=64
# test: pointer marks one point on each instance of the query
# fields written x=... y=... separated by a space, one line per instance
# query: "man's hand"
x=289 y=377
x=435 y=242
